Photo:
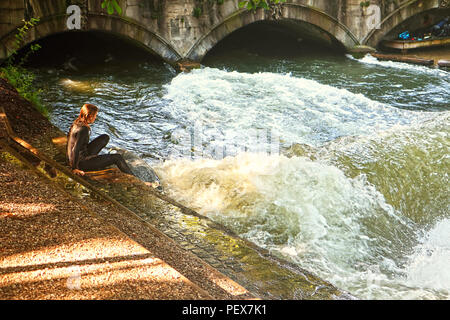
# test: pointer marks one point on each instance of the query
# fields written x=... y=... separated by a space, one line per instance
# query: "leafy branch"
x=20 y=39
x=111 y=6
x=364 y=4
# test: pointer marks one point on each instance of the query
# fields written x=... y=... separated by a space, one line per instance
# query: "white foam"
x=429 y=265
x=339 y=227
x=309 y=211
x=369 y=59
x=296 y=109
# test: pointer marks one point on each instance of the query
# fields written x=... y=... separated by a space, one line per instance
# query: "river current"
x=334 y=163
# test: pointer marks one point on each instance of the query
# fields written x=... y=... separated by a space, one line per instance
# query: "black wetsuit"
x=85 y=156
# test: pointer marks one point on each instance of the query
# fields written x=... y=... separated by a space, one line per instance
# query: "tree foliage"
x=20 y=38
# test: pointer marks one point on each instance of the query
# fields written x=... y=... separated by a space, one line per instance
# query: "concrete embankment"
x=439 y=57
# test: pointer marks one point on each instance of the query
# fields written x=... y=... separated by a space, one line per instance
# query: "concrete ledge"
x=407 y=59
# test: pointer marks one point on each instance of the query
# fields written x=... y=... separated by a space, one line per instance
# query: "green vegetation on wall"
x=111 y=6
x=255 y=4
x=249 y=4
x=18 y=76
x=198 y=9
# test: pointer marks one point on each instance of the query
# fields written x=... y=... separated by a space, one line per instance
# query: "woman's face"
x=92 y=117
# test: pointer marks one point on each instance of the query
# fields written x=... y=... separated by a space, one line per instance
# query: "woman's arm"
x=82 y=139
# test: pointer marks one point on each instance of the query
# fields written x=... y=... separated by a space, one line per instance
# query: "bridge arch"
x=115 y=25
x=405 y=12
x=290 y=13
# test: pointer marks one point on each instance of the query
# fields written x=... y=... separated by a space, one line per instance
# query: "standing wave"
x=296 y=109
x=348 y=211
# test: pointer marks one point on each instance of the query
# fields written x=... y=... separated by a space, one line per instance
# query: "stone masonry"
x=170 y=29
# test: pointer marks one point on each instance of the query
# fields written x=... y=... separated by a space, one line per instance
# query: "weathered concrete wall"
x=395 y=15
x=169 y=28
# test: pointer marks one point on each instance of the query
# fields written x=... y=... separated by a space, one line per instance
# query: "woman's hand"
x=78 y=172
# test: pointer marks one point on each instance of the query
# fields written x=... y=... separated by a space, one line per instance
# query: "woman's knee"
x=104 y=137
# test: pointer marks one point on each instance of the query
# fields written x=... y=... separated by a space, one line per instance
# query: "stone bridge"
x=169 y=28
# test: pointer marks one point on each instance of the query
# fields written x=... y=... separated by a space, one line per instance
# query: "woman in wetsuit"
x=84 y=155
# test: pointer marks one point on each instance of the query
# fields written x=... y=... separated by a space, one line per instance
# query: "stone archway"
x=128 y=29
x=290 y=12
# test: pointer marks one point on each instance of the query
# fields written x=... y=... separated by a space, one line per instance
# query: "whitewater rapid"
x=352 y=194
x=228 y=104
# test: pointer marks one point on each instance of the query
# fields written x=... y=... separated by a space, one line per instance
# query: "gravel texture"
x=54 y=248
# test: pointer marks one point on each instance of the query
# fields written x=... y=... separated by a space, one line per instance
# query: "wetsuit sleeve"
x=82 y=139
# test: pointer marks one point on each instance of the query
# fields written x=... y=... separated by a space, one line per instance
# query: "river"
x=337 y=164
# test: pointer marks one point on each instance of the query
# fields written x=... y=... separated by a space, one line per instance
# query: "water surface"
x=337 y=164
